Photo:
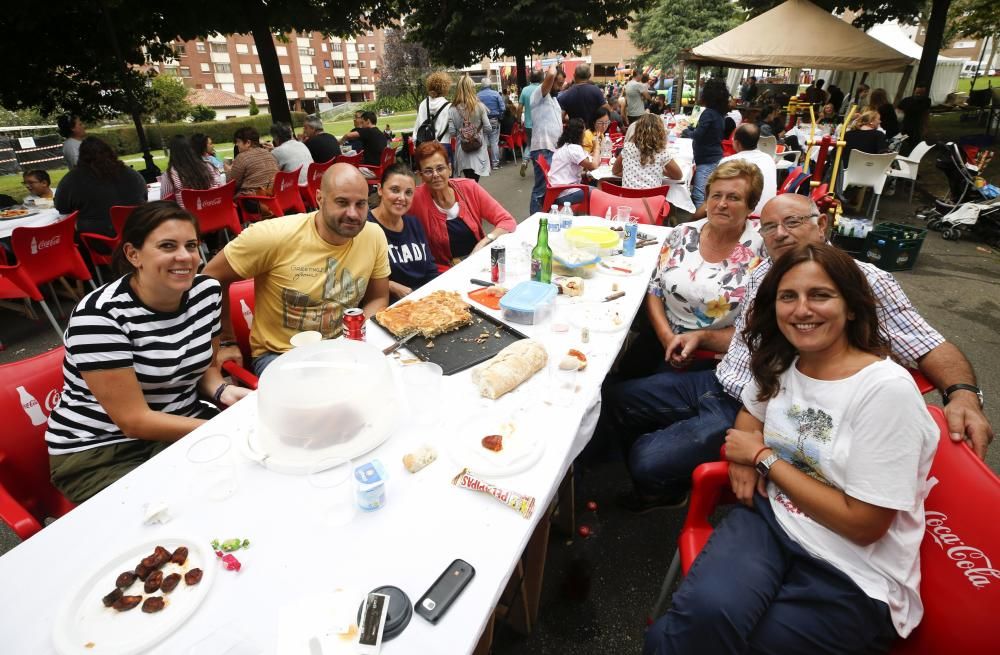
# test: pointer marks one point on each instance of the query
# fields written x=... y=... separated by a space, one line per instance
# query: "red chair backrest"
x=49 y=252
x=29 y=390
x=353 y=160
x=214 y=208
x=727 y=148
x=622 y=192
x=15 y=283
x=388 y=157
x=241 y=293
x=793 y=175
x=315 y=177
x=286 y=192
x=120 y=214
x=959 y=556
x=651 y=210
x=543 y=164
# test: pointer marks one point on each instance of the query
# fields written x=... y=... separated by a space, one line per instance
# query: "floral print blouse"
x=697 y=294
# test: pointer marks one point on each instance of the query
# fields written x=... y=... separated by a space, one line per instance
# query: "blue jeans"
x=260 y=363
x=754 y=590
x=701 y=174
x=572 y=197
x=674 y=422
x=538 y=190
x=493 y=139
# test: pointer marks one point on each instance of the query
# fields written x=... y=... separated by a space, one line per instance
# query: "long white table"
x=679 y=194
x=276 y=603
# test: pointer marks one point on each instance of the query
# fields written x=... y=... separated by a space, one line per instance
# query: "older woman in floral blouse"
x=705 y=265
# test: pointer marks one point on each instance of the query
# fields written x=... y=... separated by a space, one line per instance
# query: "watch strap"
x=963 y=387
x=764 y=466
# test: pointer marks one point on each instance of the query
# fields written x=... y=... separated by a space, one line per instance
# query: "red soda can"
x=354 y=324
x=498 y=264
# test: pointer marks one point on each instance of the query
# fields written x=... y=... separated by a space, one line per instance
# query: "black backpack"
x=426 y=130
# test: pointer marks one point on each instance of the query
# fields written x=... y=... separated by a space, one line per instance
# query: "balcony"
x=335 y=88
x=219 y=57
x=362 y=87
x=224 y=78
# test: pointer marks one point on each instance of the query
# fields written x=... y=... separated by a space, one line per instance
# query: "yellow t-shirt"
x=588 y=141
x=301 y=282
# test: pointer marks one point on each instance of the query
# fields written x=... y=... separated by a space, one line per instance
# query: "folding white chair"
x=867 y=170
x=906 y=167
x=768 y=145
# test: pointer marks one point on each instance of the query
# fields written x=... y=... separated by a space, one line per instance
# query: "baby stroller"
x=961 y=183
x=981 y=219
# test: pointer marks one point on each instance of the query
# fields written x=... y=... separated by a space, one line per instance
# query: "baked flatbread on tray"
x=437 y=313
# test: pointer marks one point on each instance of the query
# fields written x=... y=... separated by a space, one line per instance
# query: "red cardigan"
x=475 y=206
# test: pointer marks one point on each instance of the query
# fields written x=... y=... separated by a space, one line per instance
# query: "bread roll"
x=509 y=368
x=419 y=458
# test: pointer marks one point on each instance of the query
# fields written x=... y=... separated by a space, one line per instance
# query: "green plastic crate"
x=894 y=247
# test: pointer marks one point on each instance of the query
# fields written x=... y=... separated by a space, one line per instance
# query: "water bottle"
x=606 y=150
x=555 y=219
x=566 y=221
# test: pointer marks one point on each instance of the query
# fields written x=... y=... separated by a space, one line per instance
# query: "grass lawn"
x=12 y=186
x=981 y=82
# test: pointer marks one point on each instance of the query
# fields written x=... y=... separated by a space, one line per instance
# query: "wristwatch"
x=491 y=238
x=764 y=466
x=964 y=387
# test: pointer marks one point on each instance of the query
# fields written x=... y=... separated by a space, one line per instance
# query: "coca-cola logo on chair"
x=209 y=203
x=972 y=561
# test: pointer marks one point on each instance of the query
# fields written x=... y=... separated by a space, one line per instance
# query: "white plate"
x=83 y=619
x=634 y=267
x=600 y=317
x=522 y=446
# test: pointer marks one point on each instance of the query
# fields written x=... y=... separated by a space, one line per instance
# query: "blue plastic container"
x=529 y=303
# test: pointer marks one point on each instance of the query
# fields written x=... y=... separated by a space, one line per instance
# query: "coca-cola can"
x=354 y=324
x=498 y=264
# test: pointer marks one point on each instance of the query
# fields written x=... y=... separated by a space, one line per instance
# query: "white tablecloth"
x=679 y=194
x=50 y=215
x=425 y=524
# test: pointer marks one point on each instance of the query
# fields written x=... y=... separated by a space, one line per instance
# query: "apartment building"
x=315 y=69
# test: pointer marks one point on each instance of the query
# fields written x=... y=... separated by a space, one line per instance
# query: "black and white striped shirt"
x=111 y=329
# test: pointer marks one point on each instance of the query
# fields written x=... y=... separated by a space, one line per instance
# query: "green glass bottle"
x=541 y=255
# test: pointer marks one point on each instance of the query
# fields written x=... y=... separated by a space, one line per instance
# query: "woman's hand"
x=399 y=290
x=228 y=354
x=744 y=479
x=742 y=445
x=231 y=394
x=482 y=244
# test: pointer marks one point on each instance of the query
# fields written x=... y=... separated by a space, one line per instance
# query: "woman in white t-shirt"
x=645 y=160
x=830 y=454
x=570 y=160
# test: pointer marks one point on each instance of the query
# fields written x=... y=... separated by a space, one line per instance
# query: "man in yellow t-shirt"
x=307 y=268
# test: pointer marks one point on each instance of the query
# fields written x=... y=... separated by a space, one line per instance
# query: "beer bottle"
x=541 y=255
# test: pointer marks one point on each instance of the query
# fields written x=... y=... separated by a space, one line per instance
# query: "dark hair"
x=572 y=133
x=281 y=132
x=715 y=96
x=99 y=158
x=65 y=124
x=747 y=135
x=428 y=149
x=599 y=114
x=399 y=168
x=199 y=143
x=370 y=117
x=820 y=83
x=536 y=77
x=247 y=134
x=38 y=174
x=141 y=223
x=188 y=164
x=771 y=353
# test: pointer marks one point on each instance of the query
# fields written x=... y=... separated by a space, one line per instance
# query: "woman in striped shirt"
x=138 y=352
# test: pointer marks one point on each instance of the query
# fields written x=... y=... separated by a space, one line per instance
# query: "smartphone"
x=372 y=624
x=436 y=600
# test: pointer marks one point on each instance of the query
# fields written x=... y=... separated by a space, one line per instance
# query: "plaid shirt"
x=910 y=337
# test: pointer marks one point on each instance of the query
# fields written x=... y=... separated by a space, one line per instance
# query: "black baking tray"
x=456 y=351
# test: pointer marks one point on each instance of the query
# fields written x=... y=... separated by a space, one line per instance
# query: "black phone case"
x=445 y=590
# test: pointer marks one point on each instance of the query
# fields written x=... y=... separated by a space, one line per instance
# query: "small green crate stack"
x=894 y=247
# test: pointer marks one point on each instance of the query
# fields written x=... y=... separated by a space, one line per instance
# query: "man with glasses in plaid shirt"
x=679 y=420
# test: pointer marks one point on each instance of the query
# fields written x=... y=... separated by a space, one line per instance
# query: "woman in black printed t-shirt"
x=138 y=352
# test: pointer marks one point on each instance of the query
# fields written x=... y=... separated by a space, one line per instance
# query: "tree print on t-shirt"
x=814 y=427
x=341 y=290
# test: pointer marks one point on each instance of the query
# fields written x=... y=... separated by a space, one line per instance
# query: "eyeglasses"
x=602 y=122
x=429 y=172
x=789 y=223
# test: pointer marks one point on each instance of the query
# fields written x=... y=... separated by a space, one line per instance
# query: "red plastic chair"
x=285 y=198
x=513 y=142
x=622 y=192
x=29 y=391
x=241 y=308
x=214 y=209
x=727 y=148
x=101 y=248
x=924 y=385
x=354 y=160
x=651 y=209
x=314 y=177
x=958 y=583
x=15 y=284
x=552 y=192
x=388 y=159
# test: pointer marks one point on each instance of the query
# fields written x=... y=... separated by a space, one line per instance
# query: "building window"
x=310 y=86
x=209 y=86
x=964 y=44
x=364 y=80
x=205 y=68
x=361 y=64
x=199 y=46
x=285 y=70
x=322 y=46
x=338 y=80
x=171 y=71
x=180 y=49
x=242 y=49
x=249 y=87
x=338 y=47
x=281 y=50
x=370 y=33
x=219 y=47
x=253 y=49
x=185 y=71
x=223 y=68
x=326 y=63
x=246 y=69
x=307 y=52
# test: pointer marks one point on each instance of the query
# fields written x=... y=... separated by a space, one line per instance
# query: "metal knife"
x=399 y=343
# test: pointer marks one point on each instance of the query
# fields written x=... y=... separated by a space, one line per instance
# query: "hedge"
x=124 y=140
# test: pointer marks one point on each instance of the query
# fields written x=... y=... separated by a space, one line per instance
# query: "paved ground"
x=598 y=590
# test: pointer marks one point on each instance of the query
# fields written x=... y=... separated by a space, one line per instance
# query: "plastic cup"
x=332 y=480
x=305 y=338
x=214 y=468
x=621 y=215
x=422 y=385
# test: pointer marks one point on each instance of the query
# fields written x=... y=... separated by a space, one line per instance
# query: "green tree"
x=202 y=114
x=459 y=33
x=404 y=66
x=670 y=26
x=979 y=19
x=168 y=101
x=254 y=109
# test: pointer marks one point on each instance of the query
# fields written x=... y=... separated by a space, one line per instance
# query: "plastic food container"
x=578 y=259
x=604 y=238
x=529 y=303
